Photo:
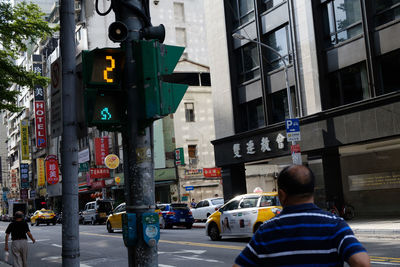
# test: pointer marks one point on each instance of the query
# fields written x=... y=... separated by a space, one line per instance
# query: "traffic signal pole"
x=69 y=147
x=137 y=141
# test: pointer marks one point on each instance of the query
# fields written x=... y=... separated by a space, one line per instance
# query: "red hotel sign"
x=40 y=123
x=101 y=148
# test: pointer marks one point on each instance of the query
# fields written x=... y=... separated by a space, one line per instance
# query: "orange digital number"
x=109 y=69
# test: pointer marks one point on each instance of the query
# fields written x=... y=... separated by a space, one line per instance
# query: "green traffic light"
x=105 y=114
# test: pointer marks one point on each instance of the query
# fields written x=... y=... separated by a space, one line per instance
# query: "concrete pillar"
x=234 y=181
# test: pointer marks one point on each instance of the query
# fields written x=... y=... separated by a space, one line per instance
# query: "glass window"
x=248 y=59
x=189 y=112
x=192 y=151
x=386 y=11
x=279 y=108
x=267 y=201
x=206 y=204
x=249 y=202
x=218 y=201
x=342 y=20
x=251 y=115
x=199 y=205
x=389 y=73
x=242 y=10
x=179 y=13
x=180 y=36
x=348 y=85
x=272 y=3
x=280 y=41
x=231 y=205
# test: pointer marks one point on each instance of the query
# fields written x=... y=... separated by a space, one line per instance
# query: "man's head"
x=19 y=215
x=296 y=185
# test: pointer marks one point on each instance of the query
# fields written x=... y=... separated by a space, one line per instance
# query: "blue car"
x=177 y=214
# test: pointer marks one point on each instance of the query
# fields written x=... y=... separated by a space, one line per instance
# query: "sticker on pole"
x=292 y=130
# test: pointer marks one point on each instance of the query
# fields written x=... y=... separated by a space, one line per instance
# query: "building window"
x=179 y=12
x=342 y=20
x=279 y=108
x=189 y=112
x=180 y=36
x=272 y=3
x=248 y=62
x=386 y=11
x=243 y=11
x=347 y=85
x=389 y=74
x=192 y=152
x=251 y=115
x=280 y=41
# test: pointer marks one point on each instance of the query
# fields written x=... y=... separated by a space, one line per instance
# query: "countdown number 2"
x=109 y=69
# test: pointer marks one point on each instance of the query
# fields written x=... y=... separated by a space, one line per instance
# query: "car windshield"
x=105 y=206
x=267 y=201
x=47 y=211
x=218 y=201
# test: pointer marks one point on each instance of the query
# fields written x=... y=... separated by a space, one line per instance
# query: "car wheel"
x=48 y=224
x=32 y=224
x=256 y=227
x=109 y=228
x=54 y=223
x=213 y=232
x=189 y=226
x=37 y=223
x=93 y=221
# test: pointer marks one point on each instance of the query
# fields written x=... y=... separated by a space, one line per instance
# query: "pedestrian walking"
x=302 y=234
x=19 y=246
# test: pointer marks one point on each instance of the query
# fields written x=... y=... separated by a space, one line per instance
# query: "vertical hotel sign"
x=40 y=117
x=24 y=140
x=40 y=172
x=101 y=149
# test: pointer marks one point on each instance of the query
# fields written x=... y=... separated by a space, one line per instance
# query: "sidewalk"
x=370 y=226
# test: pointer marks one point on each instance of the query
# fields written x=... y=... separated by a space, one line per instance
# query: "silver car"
x=206 y=207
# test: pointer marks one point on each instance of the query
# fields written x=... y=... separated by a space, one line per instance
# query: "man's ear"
x=282 y=196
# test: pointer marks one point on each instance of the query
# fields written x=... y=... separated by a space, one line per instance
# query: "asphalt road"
x=177 y=247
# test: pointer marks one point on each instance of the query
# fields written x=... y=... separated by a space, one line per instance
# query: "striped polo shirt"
x=301 y=235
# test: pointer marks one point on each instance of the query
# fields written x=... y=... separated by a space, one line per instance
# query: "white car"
x=206 y=207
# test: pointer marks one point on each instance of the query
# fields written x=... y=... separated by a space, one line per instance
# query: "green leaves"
x=19 y=26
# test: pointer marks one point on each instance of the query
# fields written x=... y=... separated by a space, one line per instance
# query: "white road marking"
x=30 y=241
x=386 y=263
x=199 y=259
x=164 y=265
x=197 y=252
x=56 y=245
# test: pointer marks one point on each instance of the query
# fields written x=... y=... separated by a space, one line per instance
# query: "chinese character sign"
x=40 y=124
x=99 y=173
x=179 y=157
x=101 y=149
x=52 y=171
x=212 y=172
x=24 y=140
x=24 y=175
x=40 y=172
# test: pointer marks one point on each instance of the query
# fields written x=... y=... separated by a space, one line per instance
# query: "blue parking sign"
x=292 y=125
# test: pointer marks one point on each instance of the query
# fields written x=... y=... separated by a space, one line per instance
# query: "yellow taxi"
x=242 y=215
x=114 y=220
x=43 y=216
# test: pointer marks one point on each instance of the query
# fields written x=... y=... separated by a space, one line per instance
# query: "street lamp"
x=289 y=99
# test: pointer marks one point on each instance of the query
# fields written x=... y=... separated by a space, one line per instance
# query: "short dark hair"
x=296 y=180
x=19 y=215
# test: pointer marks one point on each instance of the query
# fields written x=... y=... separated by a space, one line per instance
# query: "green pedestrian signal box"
x=154 y=60
x=105 y=99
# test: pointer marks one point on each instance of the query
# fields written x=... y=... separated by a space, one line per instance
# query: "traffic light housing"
x=154 y=60
x=105 y=99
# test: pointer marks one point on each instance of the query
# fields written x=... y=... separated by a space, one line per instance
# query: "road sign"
x=189 y=188
x=293 y=130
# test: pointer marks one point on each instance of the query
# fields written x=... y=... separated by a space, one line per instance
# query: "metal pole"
x=69 y=147
x=137 y=143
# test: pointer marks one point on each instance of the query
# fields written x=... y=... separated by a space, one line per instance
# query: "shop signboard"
x=212 y=172
x=179 y=156
x=52 y=170
x=24 y=175
x=40 y=117
x=84 y=156
x=99 y=173
x=193 y=173
x=32 y=194
x=24 y=140
x=111 y=161
x=24 y=193
x=84 y=167
x=374 y=181
x=40 y=172
x=97 y=184
x=101 y=149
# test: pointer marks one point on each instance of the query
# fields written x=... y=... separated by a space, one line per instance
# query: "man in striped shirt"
x=302 y=234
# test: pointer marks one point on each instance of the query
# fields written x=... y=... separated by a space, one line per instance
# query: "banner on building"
x=99 y=173
x=83 y=156
x=24 y=140
x=212 y=172
x=101 y=149
x=32 y=194
x=40 y=172
x=24 y=175
x=14 y=173
x=83 y=187
x=179 y=156
x=97 y=184
x=52 y=171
